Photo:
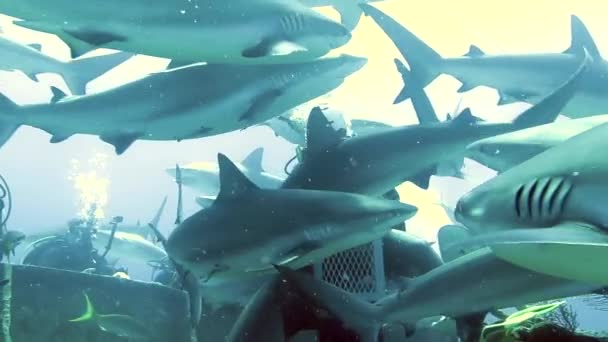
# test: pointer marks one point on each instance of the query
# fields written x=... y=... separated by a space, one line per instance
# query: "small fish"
x=4 y=282
x=119 y=325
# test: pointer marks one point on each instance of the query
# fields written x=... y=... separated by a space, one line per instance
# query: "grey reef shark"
x=76 y=73
x=332 y=161
x=276 y=226
x=214 y=31
x=547 y=213
x=526 y=77
x=504 y=151
x=183 y=103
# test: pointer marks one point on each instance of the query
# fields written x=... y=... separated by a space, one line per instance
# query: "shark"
x=490 y=283
x=204 y=177
x=275 y=226
x=350 y=12
x=526 y=77
x=76 y=73
x=211 y=99
x=504 y=151
x=547 y=213
x=235 y=32
x=409 y=153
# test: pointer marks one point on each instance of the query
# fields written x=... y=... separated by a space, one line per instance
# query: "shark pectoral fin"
x=58 y=95
x=121 y=142
x=260 y=103
x=570 y=251
x=95 y=37
x=77 y=46
x=272 y=47
x=423 y=178
x=37 y=47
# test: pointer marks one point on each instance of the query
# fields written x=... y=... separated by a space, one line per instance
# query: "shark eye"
x=542 y=200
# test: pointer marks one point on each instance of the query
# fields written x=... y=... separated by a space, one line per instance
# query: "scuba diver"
x=74 y=250
x=9 y=239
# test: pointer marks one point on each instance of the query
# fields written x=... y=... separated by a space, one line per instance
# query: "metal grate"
x=359 y=270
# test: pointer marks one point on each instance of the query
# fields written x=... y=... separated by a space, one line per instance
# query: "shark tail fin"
x=89 y=313
x=549 y=107
x=79 y=72
x=8 y=126
x=355 y=313
x=424 y=62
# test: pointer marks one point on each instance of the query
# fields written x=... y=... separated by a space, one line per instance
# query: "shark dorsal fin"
x=253 y=161
x=58 y=94
x=581 y=39
x=320 y=134
x=465 y=117
x=232 y=181
x=474 y=51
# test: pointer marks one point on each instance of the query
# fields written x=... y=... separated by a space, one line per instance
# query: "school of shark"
x=322 y=250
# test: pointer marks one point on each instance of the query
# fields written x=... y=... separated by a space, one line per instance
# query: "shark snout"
x=469 y=210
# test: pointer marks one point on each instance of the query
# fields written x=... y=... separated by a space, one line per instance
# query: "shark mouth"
x=541 y=201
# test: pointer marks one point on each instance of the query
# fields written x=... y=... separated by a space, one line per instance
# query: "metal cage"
x=359 y=270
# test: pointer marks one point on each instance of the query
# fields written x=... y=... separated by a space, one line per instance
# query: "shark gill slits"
x=518 y=195
x=541 y=201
